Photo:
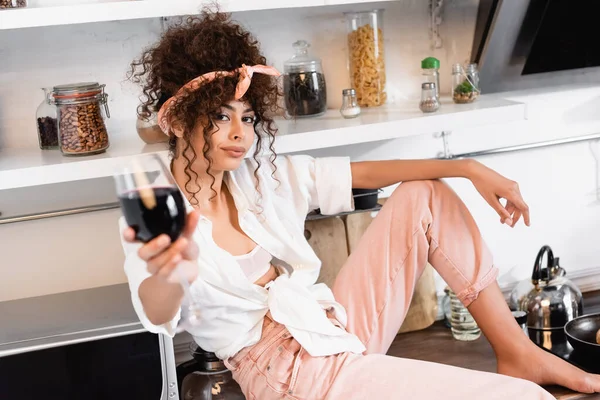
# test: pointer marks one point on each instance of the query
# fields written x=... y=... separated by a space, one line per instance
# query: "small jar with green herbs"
x=465 y=83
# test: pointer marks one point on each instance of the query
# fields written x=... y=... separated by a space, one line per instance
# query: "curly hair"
x=197 y=45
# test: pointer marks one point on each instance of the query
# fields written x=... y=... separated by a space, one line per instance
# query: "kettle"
x=549 y=299
x=206 y=378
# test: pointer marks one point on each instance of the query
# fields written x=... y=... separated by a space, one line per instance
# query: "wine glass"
x=153 y=205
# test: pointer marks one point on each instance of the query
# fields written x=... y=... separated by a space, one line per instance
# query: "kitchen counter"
x=436 y=344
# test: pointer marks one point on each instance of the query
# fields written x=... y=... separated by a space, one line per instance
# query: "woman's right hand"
x=162 y=256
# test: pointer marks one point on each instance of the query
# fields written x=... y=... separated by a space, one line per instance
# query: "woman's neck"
x=201 y=191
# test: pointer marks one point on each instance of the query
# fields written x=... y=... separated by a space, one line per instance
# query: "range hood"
x=525 y=44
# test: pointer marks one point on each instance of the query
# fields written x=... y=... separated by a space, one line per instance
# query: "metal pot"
x=581 y=333
x=550 y=299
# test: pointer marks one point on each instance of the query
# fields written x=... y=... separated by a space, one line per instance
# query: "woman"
x=253 y=274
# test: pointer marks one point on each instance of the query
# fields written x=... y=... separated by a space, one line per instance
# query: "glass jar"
x=366 y=57
x=6 y=4
x=81 y=126
x=350 y=107
x=429 y=100
x=463 y=325
x=208 y=378
x=149 y=131
x=431 y=72
x=465 y=83
x=304 y=86
x=47 y=123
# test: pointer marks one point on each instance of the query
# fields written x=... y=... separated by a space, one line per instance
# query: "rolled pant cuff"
x=468 y=295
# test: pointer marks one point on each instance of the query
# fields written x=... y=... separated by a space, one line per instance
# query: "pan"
x=581 y=334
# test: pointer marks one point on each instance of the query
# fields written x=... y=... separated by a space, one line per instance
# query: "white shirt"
x=233 y=308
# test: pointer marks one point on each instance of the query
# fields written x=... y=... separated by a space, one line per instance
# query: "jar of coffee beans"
x=81 y=109
x=6 y=4
x=47 y=123
x=304 y=87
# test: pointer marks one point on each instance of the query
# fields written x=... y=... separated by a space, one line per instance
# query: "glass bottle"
x=367 y=57
x=207 y=378
x=350 y=107
x=429 y=100
x=431 y=72
x=465 y=83
x=47 y=123
x=462 y=323
x=304 y=87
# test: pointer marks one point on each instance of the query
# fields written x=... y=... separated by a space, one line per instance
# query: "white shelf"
x=139 y=9
x=33 y=167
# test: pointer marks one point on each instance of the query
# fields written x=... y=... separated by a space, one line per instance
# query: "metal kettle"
x=549 y=299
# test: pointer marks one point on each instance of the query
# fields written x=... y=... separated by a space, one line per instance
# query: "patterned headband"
x=245 y=78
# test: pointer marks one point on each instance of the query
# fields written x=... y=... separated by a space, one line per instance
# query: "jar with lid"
x=465 y=83
x=7 y=4
x=366 y=57
x=431 y=72
x=429 y=100
x=207 y=378
x=81 y=113
x=304 y=86
x=47 y=123
x=350 y=107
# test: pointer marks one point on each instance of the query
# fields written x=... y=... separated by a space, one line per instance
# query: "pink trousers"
x=422 y=221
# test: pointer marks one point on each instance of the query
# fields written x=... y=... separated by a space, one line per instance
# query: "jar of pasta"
x=366 y=57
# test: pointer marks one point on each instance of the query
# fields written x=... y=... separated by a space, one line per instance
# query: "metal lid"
x=348 y=92
x=428 y=85
x=76 y=88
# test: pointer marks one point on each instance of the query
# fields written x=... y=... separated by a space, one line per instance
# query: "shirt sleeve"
x=327 y=182
x=136 y=272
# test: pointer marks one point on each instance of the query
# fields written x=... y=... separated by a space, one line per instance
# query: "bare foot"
x=543 y=368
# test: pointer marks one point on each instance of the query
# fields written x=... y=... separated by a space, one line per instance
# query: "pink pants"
x=422 y=221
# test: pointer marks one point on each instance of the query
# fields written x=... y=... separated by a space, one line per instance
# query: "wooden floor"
x=436 y=344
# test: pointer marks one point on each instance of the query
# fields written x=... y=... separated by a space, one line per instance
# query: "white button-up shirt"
x=233 y=308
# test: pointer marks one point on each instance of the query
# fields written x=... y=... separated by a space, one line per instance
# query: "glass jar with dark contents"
x=304 y=86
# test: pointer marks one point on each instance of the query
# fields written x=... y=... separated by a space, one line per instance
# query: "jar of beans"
x=6 y=4
x=81 y=110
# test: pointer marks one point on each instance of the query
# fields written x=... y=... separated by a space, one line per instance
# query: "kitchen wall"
x=70 y=253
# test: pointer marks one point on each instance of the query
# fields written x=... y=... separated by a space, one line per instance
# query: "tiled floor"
x=437 y=345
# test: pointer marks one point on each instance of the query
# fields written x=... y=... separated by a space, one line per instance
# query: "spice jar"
x=304 y=86
x=431 y=72
x=366 y=57
x=429 y=101
x=81 y=119
x=465 y=83
x=350 y=107
x=5 y=4
x=47 y=123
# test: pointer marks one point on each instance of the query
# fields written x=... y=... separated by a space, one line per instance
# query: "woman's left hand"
x=492 y=187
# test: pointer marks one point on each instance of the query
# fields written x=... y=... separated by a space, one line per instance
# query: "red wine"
x=166 y=216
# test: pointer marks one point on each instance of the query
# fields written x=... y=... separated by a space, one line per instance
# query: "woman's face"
x=232 y=138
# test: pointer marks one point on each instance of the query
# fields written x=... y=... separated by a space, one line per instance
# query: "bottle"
x=429 y=101
x=304 y=87
x=463 y=325
x=350 y=107
x=431 y=72
x=47 y=123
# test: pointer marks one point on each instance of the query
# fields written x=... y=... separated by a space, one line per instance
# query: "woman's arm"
x=491 y=186
x=378 y=174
